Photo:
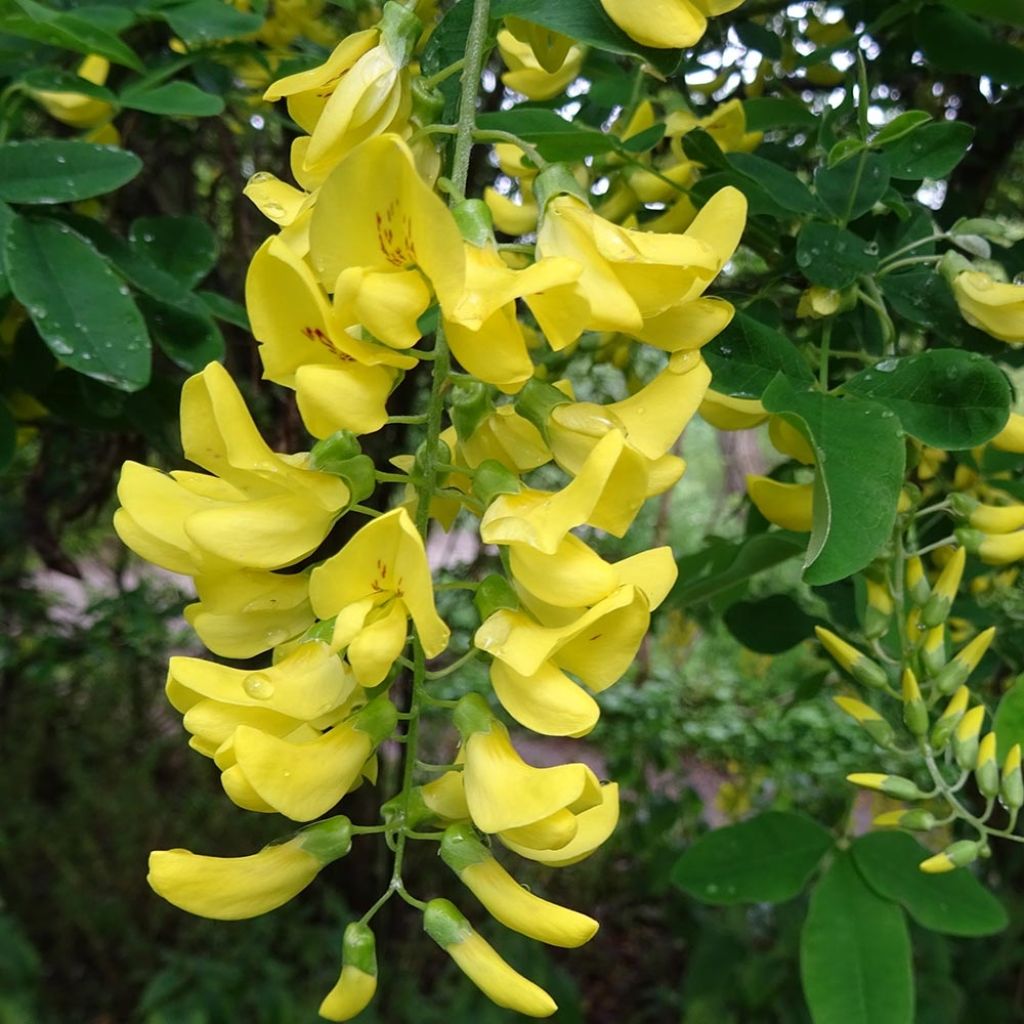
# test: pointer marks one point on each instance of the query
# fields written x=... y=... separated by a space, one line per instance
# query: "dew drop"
x=276 y=636
x=258 y=686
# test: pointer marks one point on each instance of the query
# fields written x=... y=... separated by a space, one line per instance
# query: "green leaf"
x=1009 y=720
x=173 y=98
x=722 y=565
x=900 y=126
x=55 y=80
x=80 y=307
x=554 y=137
x=766 y=112
x=946 y=397
x=747 y=355
x=932 y=151
x=783 y=186
x=757 y=37
x=223 y=308
x=953 y=904
x=1010 y=12
x=859 y=458
x=188 y=337
x=199 y=22
x=8 y=437
x=852 y=187
x=953 y=41
x=184 y=247
x=645 y=140
x=832 y=256
x=69 y=31
x=60 y=171
x=769 y=625
x=855 y=955
x=922 y=297
x=700 y=146
x=586 y=21
x=767 y=859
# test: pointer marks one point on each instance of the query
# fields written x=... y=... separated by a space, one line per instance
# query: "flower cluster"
x=367 y=255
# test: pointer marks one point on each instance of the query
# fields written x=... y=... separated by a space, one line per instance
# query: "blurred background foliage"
x=719 y=716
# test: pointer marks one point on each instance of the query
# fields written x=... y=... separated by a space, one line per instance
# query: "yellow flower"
x=481 y=964
x=505 y=899
x=373 y=585
x=993 y=307
x=505 y=794
x=359 y=92
x=726 y=124
x=340 y=382
x=787 y=505
x=234 y=888
x=727 y=413
x=629 y=278
x=607 y=492
x=508 y=438
x=817 y=302
x=300 y=777
x=77 y=109
x=397 y=231
x=258 y=509
x=357 y=984
x=483 y=330
x=669 y=24
x=528 y=75
x=1011 y=437
x=244 y=612
x=549 y=47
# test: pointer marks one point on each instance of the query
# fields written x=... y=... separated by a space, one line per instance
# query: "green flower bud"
x=472 y=402
x=966 y=738
x=986 y=771
x=915 y=712
x=950 y=718
x=1011 y=788
x=334 y=451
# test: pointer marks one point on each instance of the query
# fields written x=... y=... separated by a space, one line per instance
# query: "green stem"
x=914 y=245
x=826 y=345
x=430 y=463
x=873 y=297
x=445 y=73
x=531 y=152
x=466 y=658
x=910 y=261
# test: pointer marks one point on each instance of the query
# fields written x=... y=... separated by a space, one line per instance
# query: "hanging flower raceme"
x=369 y=258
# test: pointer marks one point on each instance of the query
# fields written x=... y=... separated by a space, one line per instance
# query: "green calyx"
x=427 y=102
x=329 y=839
x=491 y=479
x=410 y=810
x=399 y=31
x=460 y=848
x=475 y=222
x=556 y=180
x=359 y=949
x=445 y=923
x=470 y=403
x=494 y=593
x=442 y=453
x=341 y=455
x=378 y=719
x=536 y=402
x=472 y=715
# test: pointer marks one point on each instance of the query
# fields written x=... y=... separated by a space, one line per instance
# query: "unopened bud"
x=868 y=718
x=966 y=738
x=878 y=612
x=936 y=608
x=933 y=650
x=1011 y=788
x=986 y=772
x=964 y=662
x=915 y=712
x=917 y=819
x=892 y=785
x=956 y=856
x=861 y=667
x=918 y=589
x=949 y=719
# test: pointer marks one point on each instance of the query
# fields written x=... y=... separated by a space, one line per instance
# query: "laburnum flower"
x=290 y=208
x=77 y=109
x=341 y=382
x=607 y=492
x=479 y=961
x=650 y=421
x=538 y=76
x=505 y=899
x=252 y=508
x=992 y=306
x=483 y=329
x=788 y=505
x=304 y=773
x=667 y=24
x=506 y=437
x=236 y=888
x=310 y=686
x=357 y=984
x=637 y=282
x=726 y=124
x=506 y=795
x=244 y=612
x=361 y=90
x=398 y=242
x=372 y=587
x=535 y=653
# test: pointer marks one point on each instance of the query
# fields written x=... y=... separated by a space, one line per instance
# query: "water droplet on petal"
x=259 y=686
